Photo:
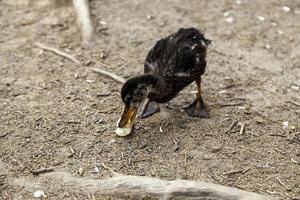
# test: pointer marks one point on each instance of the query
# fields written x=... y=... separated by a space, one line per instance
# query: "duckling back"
x=178 y=60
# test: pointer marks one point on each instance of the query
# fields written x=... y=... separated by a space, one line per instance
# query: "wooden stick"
x=56 y=51
x=293 y=102
x=242 y=128
x=232 y=125
x=231 y=104
x=135 y=187
x=109 y=75
x=42 y=170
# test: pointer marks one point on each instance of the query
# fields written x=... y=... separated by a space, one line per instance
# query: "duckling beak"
x=126 y=122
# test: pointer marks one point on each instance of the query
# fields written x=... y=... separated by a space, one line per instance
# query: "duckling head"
x=133 y=93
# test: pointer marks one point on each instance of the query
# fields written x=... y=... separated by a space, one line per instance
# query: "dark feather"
x=177 y=61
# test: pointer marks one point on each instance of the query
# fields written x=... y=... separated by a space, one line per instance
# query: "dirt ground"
x=50 y=106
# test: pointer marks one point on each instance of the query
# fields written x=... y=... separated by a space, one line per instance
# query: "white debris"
x=268 y=46
x=228 y=78
x=279 y=32
x=90 y=81
x=229 y=20
x=39 y=194
x=149 y=17
x=81 y=171
x=222 y=92
x=286 y=8
x=285 y=125
x=226 y=14
x=260 y=18
x=238 y=2
x=96 y=169
x=160 y=129
x=295 y=87
x=241 y=107
x=103 y=22
x=274 y=23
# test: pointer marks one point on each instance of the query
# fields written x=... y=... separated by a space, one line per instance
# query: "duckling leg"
x=148 y=108
x=197 y=108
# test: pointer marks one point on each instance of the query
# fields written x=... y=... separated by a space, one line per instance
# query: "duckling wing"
x=177 y=61
x=155 y=56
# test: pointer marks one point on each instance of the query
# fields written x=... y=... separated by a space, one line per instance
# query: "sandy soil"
x=49 y=104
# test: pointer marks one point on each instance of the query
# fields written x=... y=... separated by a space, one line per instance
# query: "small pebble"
x=228 y=78
x=285 y=125
x=279 y=32
x=229 y=20
x=260 y=18
x=39 y=194
x=238 y=2
x=226 y=14
x=96 y=170
x=80 y=171
x=268 y=46
x=222 y=91
x=286 y=8
x=103 y=22
x=90 y=81
x=103 y=54
x=149 y=17
x=293 y=127
x=294 y=87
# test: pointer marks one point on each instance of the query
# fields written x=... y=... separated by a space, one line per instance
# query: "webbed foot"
x=148 y=109
x=197 y=110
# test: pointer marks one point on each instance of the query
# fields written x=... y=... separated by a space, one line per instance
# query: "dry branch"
x=42 y=170
x=141 y=187
x=109 y=75
x=232 y=125
x=56 y=51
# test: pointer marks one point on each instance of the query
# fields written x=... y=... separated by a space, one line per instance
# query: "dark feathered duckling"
x=173 y=63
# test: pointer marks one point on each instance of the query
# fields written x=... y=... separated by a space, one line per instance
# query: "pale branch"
x=56 y=51
x=135 y=187
x=109 y=75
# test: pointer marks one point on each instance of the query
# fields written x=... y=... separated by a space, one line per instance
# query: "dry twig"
x=42 y=170
x=293 y=102
x=109 y=75
x=56 y=51
x=278 y=135
x=234 y=172
x=110 y=169
x=232 y=125
x=242 y=128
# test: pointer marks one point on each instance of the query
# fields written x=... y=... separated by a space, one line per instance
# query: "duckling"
x=172 y=64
